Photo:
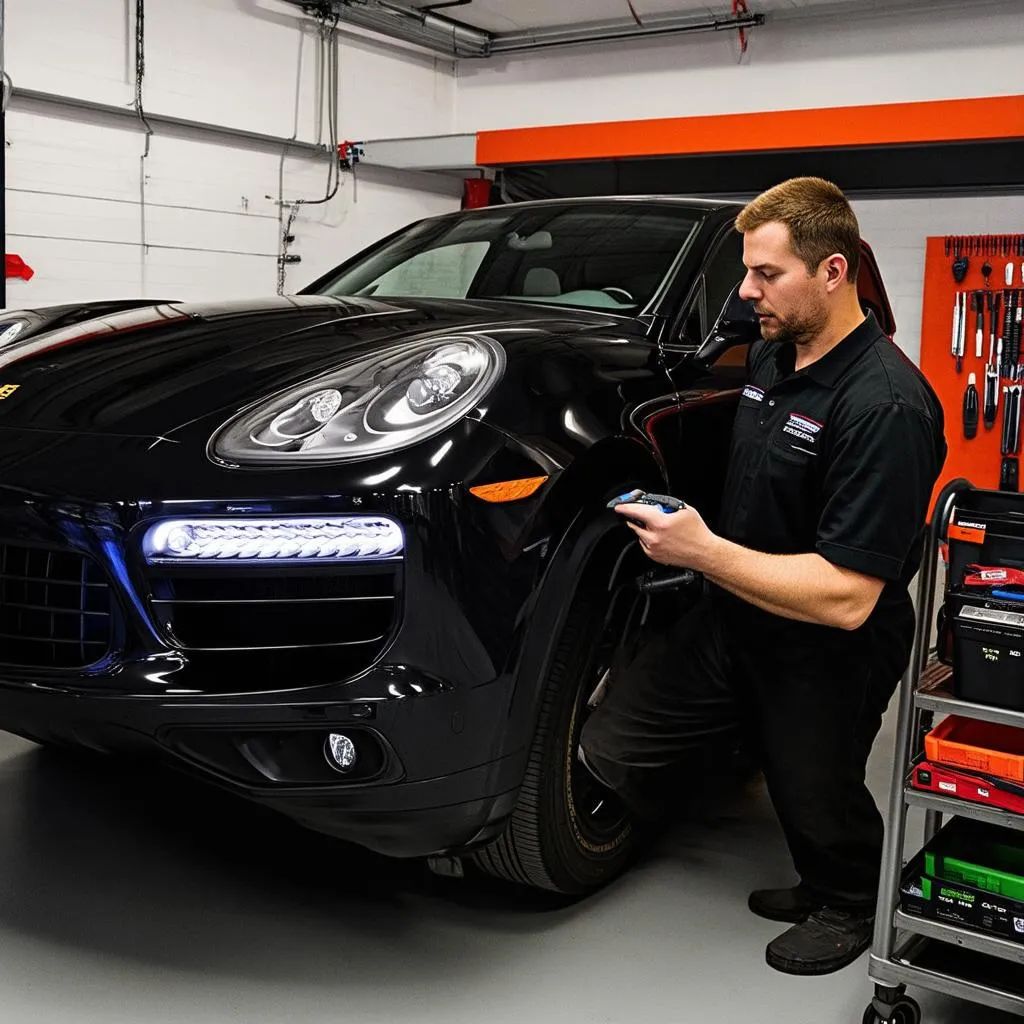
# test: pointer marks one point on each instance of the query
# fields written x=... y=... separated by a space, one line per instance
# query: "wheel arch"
x=579 y=527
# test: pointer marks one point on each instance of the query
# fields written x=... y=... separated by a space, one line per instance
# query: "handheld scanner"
x=665 y=502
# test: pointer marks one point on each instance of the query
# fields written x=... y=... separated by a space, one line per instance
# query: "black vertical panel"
x=962 y=168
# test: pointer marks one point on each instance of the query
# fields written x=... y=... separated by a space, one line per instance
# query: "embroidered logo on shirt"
x=754 y=394
x=802 y=427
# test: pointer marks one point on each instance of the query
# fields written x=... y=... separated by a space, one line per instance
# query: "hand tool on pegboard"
x=978 y=303
x=960 y=261
x=1008 y=469
x=1017 y=325
x=990 y=405
x=959 y=328
x=1007 y=336
x=970 y=408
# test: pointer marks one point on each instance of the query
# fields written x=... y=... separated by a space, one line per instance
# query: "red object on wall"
x=977 y=458
x=17 y=267
x=477 y=193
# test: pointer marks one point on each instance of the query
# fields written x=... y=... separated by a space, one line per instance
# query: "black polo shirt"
x=838 y=458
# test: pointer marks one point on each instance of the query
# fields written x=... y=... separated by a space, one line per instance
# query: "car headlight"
x=371 y=406
x=10 y=329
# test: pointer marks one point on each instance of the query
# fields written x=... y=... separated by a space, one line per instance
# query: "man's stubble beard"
x=800 y=329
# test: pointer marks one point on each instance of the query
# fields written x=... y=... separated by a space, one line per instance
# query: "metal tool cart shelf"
x=910 y=950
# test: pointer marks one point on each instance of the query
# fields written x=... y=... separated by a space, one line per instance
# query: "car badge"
x=6 y=390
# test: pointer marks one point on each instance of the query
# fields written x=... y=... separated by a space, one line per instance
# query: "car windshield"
x=611 y=256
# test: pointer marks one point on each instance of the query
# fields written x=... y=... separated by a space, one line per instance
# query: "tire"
x=567 y=833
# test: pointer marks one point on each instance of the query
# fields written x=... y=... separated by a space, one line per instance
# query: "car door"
x=694 y=434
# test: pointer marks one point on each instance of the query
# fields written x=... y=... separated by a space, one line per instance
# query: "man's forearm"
x=804 y=587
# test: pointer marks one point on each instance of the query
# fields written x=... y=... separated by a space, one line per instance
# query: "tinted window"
x=724 y=272
x=610 y=256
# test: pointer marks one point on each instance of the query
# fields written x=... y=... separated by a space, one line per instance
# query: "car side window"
x=724 y=271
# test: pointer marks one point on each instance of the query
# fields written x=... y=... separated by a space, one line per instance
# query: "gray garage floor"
x=147 y=899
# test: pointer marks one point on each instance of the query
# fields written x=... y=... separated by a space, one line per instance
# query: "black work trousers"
x=809 y=700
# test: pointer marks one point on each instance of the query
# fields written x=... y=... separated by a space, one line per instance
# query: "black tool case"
x=985 y=641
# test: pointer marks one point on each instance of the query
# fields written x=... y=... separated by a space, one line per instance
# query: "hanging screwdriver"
x=978 y=301
x=990 y=407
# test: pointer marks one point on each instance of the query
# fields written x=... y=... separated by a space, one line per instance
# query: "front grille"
x=264 y=629
x=55 y=608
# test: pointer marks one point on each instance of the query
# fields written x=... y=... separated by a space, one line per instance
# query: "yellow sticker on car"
x=6 y=390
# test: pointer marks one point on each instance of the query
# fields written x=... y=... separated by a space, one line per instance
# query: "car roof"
x=697 y=205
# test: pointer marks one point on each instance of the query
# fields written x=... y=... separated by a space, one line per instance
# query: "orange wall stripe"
x=995 y=117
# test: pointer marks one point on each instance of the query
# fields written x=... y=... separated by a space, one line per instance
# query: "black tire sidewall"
x=574 y=861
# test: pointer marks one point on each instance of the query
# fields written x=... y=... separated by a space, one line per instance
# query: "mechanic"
x=806 y=623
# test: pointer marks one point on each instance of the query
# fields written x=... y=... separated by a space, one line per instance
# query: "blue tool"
x=1009 y=595
x=665 y=502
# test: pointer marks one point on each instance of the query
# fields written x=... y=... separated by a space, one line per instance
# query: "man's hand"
x=804 y=587
x=672 y=538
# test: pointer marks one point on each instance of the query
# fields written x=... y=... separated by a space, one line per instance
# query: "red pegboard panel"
x=978 y=459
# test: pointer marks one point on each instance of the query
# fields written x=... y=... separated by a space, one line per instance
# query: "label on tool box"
x=972 y=532
x=992 y=616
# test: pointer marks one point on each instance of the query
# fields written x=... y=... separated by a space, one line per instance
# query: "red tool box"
x=975 y=787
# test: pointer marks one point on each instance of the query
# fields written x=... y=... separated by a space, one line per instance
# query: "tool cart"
x=961 y=934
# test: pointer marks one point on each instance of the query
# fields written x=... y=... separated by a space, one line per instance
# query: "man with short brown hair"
x=807 y=624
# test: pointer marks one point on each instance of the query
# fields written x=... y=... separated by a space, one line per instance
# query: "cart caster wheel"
x=906 y=1011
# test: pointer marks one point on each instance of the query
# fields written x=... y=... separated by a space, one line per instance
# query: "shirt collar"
x=833 y=364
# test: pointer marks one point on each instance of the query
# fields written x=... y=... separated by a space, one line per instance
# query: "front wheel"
x=568 y=833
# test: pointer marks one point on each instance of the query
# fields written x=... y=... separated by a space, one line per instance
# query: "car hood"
x=154 y=370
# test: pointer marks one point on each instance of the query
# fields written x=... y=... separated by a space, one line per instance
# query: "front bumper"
x=438 y=767
x=440 y=787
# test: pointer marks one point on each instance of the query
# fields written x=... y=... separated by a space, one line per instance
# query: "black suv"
x=347 y=552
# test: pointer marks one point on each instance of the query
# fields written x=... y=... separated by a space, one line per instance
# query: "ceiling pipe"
x=606 y=32
x=451 y=38
x=441 y=35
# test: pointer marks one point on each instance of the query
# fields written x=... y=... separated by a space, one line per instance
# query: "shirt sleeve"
x=876 y=490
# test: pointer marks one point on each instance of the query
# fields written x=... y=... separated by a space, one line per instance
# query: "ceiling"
x=515 y=15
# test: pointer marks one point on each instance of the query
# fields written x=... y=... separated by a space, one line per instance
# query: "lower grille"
x=299 y=626
x=55 y=608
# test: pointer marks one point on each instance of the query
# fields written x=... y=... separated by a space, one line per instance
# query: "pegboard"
x=977 y=459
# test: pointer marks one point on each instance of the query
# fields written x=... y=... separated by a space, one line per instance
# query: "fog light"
x=340 y=751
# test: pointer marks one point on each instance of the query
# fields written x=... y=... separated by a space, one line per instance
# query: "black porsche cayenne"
x=346 y=553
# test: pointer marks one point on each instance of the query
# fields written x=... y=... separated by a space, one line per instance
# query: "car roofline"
x=699 y=205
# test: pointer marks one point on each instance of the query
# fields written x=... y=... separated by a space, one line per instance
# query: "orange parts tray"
x=992 y=749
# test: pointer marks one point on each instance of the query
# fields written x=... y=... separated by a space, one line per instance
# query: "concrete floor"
x=145 y=898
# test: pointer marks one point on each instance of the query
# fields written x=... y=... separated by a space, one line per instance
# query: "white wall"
x=862 y=53
x=897 y=229
x=211 y=214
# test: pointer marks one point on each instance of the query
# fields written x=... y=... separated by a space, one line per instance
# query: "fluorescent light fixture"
x=321 y=539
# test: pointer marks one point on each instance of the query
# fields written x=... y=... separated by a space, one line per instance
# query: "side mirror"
x=737 y=324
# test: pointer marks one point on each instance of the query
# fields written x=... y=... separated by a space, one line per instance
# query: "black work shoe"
x=827 y=941
x=793 y=905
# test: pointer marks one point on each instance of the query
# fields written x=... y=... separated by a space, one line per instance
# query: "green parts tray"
x=983 y=856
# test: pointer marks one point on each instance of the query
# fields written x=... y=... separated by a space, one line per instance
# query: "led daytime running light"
x=324 y=539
